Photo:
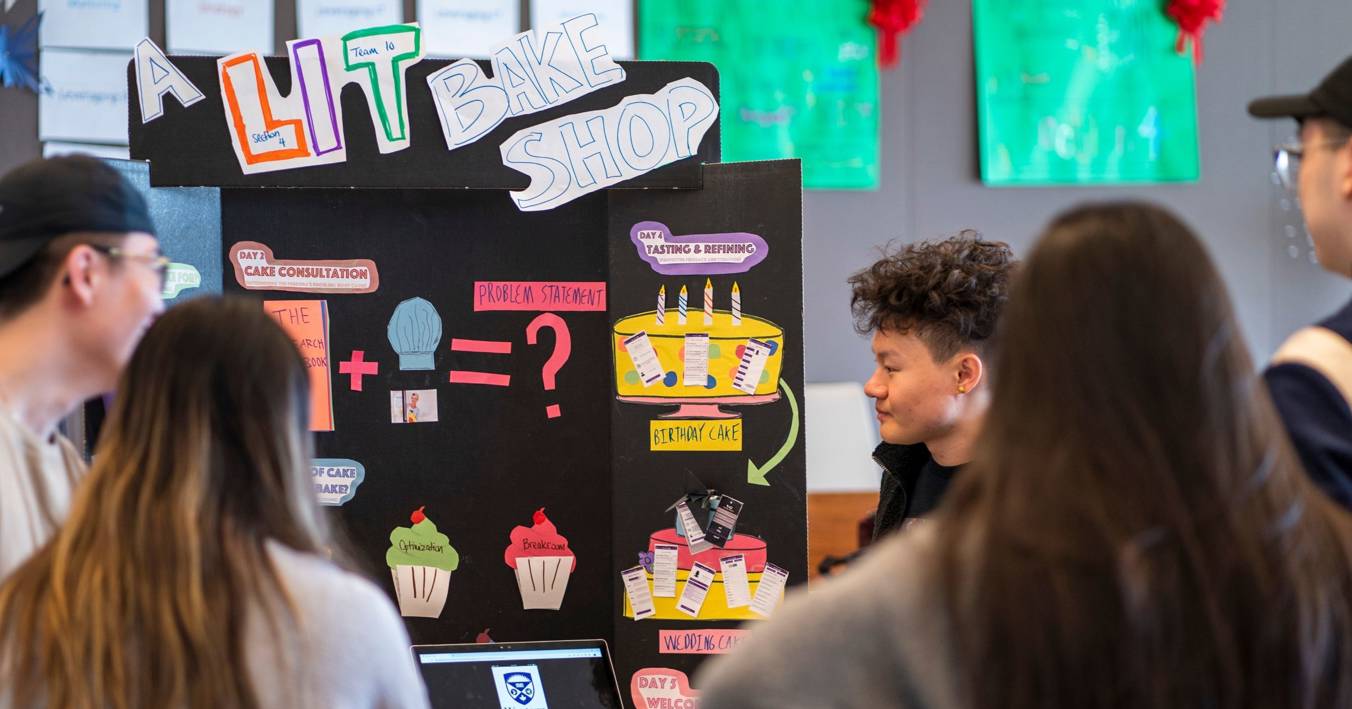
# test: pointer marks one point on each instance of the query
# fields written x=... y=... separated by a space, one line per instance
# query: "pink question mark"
x=563 y=346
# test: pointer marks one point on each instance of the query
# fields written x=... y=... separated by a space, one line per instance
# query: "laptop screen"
x=543 y=675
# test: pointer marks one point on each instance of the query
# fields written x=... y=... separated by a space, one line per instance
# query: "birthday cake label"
x=710 y=436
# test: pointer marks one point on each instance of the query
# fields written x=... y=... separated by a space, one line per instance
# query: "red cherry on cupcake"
x=539 y=516
x=418 y=515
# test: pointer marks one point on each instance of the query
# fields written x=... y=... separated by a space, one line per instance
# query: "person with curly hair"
x=932 y=309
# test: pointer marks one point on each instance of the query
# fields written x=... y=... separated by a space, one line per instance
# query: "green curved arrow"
x=756 y=474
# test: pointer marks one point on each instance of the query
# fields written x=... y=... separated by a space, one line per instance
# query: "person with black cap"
x=1310 y=377
x=80 y=281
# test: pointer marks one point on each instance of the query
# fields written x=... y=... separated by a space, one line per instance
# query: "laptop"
x=557 y=674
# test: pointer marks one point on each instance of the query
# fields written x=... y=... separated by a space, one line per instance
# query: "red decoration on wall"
x=893 y=18
x=1191 y=16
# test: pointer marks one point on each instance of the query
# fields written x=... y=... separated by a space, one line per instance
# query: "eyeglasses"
x=158 y=263
x=1287 y=156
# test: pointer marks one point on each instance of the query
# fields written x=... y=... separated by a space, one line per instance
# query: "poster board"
x=472 y=370
x=491 y=457
x=652 y=460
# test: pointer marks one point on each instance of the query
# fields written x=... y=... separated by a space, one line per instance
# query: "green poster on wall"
x=1082 y=92
x=799 y=81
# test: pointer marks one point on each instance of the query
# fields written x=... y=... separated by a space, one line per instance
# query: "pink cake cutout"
x=753 y=548
x=539 y=539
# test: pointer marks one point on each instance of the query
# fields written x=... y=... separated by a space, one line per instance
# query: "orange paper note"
x=307 y=322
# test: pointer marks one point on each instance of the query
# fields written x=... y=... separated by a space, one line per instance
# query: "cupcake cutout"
x=421 y=560
x=543 y=563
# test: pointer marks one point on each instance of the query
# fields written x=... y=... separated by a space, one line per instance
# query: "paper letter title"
x=531 y=72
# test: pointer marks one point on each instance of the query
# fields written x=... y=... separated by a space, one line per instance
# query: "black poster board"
x=761 y=198
x=500 y=450
x=493 y=457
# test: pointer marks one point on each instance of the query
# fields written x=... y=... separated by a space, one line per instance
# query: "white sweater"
x=345 y=649
x=37 y=482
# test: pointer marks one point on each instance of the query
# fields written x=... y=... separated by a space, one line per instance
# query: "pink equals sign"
x=483 y=347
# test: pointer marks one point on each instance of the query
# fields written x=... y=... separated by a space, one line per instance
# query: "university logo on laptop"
x=519 y=687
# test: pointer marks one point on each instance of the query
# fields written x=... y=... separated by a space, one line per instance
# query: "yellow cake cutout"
x=715 y=603
x=668 y=341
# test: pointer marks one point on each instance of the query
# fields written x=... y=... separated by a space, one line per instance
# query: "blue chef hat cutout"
x=415 y=332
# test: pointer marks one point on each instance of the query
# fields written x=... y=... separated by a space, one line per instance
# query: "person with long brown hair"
x=1134 y=530
x=195 y=568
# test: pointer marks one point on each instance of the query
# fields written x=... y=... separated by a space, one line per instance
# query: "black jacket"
x=901 y=468
x=1317 y=417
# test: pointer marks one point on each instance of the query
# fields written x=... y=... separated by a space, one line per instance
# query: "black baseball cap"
x=1332 y=98
x=49 y=198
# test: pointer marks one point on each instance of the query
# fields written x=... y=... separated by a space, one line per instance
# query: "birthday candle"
x=736 y=305
x=661 y=306
x=708 y=302
x=680 y=306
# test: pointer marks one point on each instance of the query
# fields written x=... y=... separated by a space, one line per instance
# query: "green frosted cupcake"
x=421 y=560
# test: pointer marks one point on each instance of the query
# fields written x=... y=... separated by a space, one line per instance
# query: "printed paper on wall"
x=467 y=28
x=332 y=18
x=93 y=24
x=88 y=100
x=218 y=26
x=615 y=19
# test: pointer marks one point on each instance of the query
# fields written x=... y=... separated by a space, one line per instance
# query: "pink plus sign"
x=357 y=367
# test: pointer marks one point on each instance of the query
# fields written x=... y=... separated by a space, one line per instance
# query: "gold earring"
x=962 y=389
